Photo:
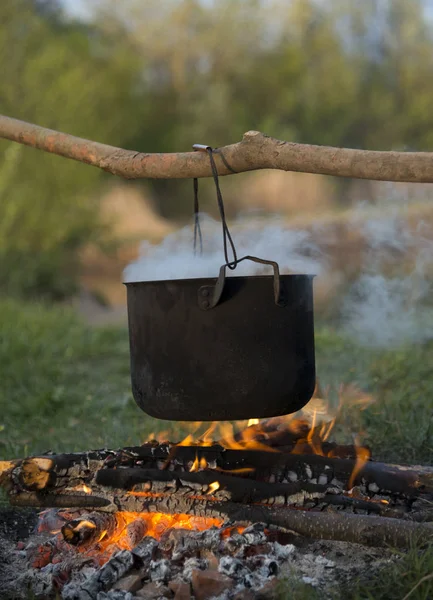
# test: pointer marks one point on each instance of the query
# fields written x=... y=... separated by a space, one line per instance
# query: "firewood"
x=40 y=500
x=229 y=487
x=67 y=470
x=362 y=529
x=6 y=468
x=89 y=528
x=113 y=570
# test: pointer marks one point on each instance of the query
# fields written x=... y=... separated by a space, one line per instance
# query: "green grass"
x=412 y=573
x=398 y=425
x=65 y=386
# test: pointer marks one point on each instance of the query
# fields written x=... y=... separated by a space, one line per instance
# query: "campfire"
x=223 y=511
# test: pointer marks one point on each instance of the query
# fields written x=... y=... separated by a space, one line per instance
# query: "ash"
x=216 y=563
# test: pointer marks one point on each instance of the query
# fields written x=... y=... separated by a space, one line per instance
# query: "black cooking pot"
x=222 y=348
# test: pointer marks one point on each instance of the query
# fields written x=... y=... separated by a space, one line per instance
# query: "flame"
x=362 y=456
x=313 y=425
x=195 y=465
x=103 y=534
x=82 y=487
x=153 y=524
x=198 y=465
x=305 y=432
x=213 y=487
x=85 y=523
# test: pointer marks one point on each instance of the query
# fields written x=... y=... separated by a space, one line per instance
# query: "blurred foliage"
x=159 y=76
x=64 y=76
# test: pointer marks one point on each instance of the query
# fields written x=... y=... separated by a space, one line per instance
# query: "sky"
x=79 y=7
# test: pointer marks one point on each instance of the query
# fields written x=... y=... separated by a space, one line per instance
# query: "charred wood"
x=230 y=487
x=113 y=570
x=362 y=529
x=89 y=528
x=41 y=500
x=66 y=470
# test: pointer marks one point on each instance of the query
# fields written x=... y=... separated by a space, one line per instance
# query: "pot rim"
x=214 y=279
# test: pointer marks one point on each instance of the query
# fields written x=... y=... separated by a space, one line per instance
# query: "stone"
x=181 y=590
x=207 y=584
x=212 y=560
x=130 y=583
x=153 y=591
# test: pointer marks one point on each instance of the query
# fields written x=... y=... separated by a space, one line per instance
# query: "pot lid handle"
x=209 y=296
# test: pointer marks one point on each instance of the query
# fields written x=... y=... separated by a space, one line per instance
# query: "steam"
x=386 y=302
x=294 y=251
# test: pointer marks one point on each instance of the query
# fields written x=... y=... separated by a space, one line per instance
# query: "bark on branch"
x=255 y=151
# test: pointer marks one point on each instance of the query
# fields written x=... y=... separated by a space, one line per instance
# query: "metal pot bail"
x=209 y=296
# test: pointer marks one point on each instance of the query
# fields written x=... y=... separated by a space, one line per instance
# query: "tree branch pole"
x=255 y=151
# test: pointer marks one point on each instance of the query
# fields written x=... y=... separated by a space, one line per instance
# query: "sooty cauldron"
x=223 y=348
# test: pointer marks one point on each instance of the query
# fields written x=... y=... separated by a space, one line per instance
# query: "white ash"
x=250 y=559
x=255 y=534
x=283 y=552
x=117 y=566
x=160 y=570
x=115 y=595
x=145 y=549
x=190 y=565
x=204 y=540
x=233 y=567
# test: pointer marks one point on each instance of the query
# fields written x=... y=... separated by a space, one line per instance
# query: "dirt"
x=323 y=565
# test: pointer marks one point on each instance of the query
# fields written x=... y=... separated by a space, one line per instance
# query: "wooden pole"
x=254 y=152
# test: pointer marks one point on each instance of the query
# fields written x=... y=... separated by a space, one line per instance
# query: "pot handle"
x=209 y=296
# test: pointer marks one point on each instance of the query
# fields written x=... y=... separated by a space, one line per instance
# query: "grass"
x=65 y=387
x=411 y=577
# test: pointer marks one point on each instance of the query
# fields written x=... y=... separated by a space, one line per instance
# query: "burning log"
x=361 y=529
x=6 y=468
x=57 y=470
x=212 y=481
x=89 y=528
x=229 y=487
x=71 y=470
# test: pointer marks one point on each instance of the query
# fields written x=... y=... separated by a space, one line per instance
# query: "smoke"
x=385 y=298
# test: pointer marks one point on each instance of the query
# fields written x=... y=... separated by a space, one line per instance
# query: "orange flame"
x=82 y=487
x=153 y=524
x=213 y=487
x=362 y=456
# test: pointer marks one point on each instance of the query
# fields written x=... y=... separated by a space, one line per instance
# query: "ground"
x=65 y=386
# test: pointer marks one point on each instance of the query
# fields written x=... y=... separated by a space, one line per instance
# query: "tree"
x=65 y=75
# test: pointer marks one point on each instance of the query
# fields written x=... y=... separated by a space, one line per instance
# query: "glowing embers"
x=100 y=534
